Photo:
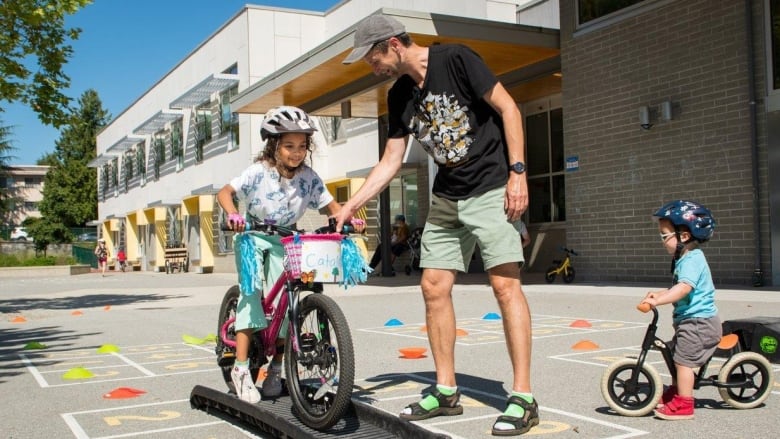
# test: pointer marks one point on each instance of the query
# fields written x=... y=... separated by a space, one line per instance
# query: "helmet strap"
x=678 y=250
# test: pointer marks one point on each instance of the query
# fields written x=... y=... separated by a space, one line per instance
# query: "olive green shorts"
x=455 y=227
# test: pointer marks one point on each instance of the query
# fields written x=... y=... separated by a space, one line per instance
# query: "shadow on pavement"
x=88 y=301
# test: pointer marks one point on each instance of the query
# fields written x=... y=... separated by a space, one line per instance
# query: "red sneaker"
x=667 y=396
x=680 y=407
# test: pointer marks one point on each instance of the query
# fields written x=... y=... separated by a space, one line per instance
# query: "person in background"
x=448 y=99
x=101 y=251
x=398 y=243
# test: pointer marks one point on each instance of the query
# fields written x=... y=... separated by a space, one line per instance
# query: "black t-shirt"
x=448 y=116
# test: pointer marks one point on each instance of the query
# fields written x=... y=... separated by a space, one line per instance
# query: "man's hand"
x=516 y=198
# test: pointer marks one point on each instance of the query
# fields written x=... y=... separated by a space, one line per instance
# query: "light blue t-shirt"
x=282 y=200
x=692 y=269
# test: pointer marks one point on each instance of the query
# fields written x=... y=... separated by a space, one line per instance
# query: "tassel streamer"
x=355 y=268
x=247 y=267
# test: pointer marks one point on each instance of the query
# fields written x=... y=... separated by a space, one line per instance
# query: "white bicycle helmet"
x=286 y=119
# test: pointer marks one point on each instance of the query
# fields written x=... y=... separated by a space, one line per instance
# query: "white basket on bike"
x=319 y=255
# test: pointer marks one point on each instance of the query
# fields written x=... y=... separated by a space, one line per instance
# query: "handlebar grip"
x=644 y=307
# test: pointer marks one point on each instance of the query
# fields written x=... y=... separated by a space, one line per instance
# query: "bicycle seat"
x=728 y=341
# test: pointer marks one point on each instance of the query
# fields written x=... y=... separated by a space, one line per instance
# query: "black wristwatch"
x=518 y=167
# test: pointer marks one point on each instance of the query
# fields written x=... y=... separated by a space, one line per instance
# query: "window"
x=33 y=181
x=333 y=128
x=127 y=161
x=177 y=144
x=140 y=162
x=342 y=194
x=115 y=176
x=589 y=10
x=202 y=130
x=159 y=155
x=774 y=17
x=228 y=121
x=546 y=181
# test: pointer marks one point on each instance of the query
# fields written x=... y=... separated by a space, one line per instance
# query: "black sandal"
x=448 y=406
x=521 y=425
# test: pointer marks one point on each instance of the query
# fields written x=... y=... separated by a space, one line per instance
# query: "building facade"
x=669 y=100
x=24 y=185
x=162 y=160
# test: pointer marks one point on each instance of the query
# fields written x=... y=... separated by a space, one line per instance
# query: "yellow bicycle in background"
x=562 y=267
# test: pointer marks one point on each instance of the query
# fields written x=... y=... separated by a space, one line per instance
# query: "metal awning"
x=100 y=160
x=526 y=59
x=157 y=122
x=163 y=203
x=206 y=190
x=203 y=91
x=124 y=144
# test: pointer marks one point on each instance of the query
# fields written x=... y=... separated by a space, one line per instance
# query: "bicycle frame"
x=563 y=265
x=287 y=306
x=651 y=341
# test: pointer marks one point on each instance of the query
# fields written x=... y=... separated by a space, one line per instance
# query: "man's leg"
x=516 y=317
x=440 y=320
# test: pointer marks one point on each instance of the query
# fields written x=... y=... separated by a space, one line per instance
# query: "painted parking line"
x=478 y=331
x=409 y=386
x=135 y=362
x=158 y=418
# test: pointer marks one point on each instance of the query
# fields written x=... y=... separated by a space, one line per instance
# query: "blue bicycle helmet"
x=696 y=217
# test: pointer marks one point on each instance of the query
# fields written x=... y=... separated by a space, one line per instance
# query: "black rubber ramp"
x=276 y=417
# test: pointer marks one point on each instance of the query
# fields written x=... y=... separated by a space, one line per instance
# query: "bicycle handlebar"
x=568 y=250
x=273 y=229
x=644 y=307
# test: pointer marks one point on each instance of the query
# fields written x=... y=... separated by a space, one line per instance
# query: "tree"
x=70 y=188
x=35 y=30
x=7 y=198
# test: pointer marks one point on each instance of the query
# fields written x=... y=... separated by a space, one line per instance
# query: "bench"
x=176 y=258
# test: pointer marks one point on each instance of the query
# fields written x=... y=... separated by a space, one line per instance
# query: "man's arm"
x=516 y=199
x=377 y=179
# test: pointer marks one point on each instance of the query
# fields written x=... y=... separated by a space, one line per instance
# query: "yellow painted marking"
x=80 y=363
x=165 y=415
x=470 y=402
x=190 y=365
x=409 y=385
x=610 y=325
x=170 y=355
x=547 y=427
x=109 y=373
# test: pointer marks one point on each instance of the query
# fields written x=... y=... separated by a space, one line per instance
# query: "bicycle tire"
x=227 y=310
x=568 y=275
x=751 y=368
x=320 y=377
x=629 y=398
x=549 y=277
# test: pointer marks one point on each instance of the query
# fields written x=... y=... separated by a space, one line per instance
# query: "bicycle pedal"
x=226 y=359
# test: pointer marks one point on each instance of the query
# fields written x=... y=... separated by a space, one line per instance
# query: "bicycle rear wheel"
x=320 y=377
x=226 y=355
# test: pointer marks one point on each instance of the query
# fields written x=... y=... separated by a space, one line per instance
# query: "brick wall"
x=694 y=54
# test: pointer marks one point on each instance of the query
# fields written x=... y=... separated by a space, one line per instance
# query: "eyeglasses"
x=665 y=236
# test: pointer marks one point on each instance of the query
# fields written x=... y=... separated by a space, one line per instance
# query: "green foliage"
x=38 y=261
x=70 y=189
x=7 y=198
x=45 y=232
x=34 y=47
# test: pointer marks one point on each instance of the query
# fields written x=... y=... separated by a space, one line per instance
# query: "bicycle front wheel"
x=320 y=377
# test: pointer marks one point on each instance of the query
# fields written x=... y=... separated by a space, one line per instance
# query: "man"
x=447 y=98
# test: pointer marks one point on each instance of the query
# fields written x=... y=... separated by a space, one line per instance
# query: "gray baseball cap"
x=370 y=31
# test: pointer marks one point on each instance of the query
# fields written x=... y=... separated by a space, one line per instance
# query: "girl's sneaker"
x=245 y=387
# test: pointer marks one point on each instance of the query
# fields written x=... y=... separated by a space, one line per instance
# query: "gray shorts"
x=695 y=340
x=454 y=228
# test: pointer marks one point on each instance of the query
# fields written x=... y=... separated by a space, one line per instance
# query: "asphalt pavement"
x=87 y=356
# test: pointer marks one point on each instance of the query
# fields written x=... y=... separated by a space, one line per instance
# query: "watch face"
x=519 y=167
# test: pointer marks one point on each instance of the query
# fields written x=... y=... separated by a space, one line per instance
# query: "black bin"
x=757 y=334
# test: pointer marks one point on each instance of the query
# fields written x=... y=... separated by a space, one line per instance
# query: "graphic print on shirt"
x=441 y=125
